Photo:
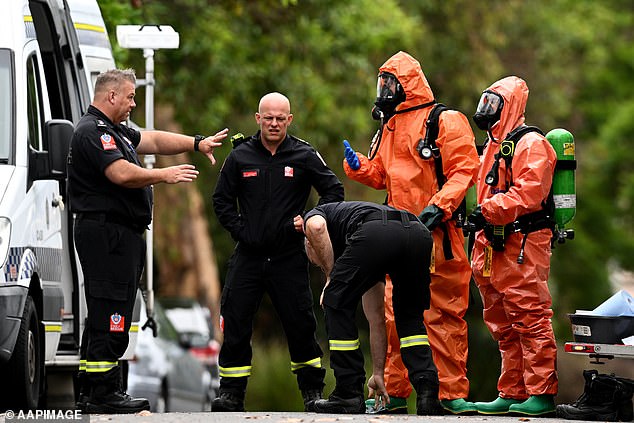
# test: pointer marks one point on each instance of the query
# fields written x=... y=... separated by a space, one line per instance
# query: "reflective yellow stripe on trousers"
x=412 y=341
x=343 y=345
x=100 y=366
x=315 y=362
x=235 y=371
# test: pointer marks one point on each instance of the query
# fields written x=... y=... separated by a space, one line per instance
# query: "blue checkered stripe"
x=47 y=260
x=49 y=263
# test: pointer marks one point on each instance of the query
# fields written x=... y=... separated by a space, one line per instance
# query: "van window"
x=34 y=103
x=6 y=104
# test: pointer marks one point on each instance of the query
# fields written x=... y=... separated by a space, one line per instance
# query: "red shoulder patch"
x=107 y=142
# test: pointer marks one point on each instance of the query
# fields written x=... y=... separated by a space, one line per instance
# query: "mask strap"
x=420 y=106
x=491 y=137
x=376 y=141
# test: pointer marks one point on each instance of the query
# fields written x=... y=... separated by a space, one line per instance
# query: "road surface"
x=296 y=417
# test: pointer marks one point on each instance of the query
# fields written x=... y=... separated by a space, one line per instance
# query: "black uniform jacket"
x=98 y=142
x=259 y=194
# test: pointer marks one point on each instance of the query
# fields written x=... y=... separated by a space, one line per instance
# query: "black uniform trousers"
x=285 y=278
x=401 y=248
x=112 y=258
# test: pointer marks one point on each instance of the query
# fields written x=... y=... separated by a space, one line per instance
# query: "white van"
x=44 y=90
x=93 y=38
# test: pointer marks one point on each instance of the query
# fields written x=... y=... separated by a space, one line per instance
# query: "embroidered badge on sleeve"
x=108 y=142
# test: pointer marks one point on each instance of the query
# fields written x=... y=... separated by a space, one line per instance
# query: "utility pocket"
x=111 y=258
x=341 y=291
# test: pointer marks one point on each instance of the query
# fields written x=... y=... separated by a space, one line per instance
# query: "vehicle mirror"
x=58 y=135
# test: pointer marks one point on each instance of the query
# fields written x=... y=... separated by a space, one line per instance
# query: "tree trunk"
x=183 y=249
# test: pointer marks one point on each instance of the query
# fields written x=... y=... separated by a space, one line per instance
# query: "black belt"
x=112 y=218
x=386 y=215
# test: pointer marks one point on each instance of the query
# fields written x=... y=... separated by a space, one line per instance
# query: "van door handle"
x=58 y=201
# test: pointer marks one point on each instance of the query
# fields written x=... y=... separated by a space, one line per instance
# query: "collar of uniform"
x=98 y=113
x=286 y=144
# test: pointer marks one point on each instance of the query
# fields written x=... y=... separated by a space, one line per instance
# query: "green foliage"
x=272 y=386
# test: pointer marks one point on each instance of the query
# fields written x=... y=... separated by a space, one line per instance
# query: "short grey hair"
x=113 y=78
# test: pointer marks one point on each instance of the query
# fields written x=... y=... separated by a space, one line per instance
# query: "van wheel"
x=26 y=367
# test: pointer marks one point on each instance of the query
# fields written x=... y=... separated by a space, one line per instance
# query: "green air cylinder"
x=471 y=199
x=564 y=191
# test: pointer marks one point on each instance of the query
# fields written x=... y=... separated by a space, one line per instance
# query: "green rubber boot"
x=397 y=405
x=458 y=406
x=535 y=405
x=498 y=406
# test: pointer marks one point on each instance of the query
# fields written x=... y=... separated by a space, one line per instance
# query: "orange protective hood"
x=514 y=91
x=410 y=74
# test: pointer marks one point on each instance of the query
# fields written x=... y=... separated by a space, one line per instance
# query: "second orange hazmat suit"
x=411 y=185
x=516 y=299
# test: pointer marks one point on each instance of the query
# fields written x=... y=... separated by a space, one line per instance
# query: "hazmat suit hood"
x=514 y=91
x=410 y=74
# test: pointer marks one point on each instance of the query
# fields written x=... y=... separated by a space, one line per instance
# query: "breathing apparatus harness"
x=378 y=114
x=427 y=149
x=525 y=224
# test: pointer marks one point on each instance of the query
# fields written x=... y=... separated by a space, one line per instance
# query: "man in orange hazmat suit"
x=513 y=192
x=404 y=102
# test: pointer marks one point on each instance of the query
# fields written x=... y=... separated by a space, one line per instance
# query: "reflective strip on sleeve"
x=82 y=365
x=343 y=345
x=412 y=341
x=315 y=362
x=235 y=371
x=134 y=327
x=100 y=366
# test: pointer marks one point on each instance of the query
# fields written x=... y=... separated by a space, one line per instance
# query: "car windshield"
x=188 y=320
x=6 y=104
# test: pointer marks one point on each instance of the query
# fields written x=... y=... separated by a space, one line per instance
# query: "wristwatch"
x=197 y=140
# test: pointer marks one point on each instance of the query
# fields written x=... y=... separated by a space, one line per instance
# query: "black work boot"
x=115 y=403
x=310 y=396
x=605 y=398
x=342 y=401
x=228 y=401
x=108 y=397
x=427 y=403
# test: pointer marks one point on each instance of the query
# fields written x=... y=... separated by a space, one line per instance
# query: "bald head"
x=275 y=101
x=273 y=116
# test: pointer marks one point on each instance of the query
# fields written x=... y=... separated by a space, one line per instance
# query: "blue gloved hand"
x=351 y=156
x=431 y=216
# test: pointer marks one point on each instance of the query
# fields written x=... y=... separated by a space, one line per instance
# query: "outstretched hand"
x=351 y=156
x=207 y=145
x=179 y=173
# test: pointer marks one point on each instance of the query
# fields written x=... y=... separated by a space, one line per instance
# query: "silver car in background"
x=193 y=323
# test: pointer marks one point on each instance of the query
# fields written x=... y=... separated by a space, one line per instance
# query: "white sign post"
x=148 y=38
